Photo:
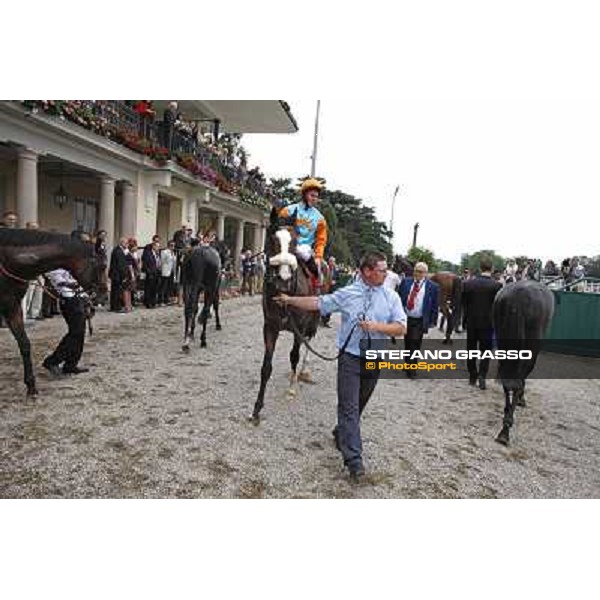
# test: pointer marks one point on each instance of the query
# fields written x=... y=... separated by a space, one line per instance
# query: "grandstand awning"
x=239 y=116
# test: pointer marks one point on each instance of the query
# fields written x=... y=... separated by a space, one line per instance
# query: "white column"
x=263 y=236
x=128 y=210
x=257 y=239
x=239 y=242
x=106 y=219
x=221 y=226
x=27 y=187
x=191 y=217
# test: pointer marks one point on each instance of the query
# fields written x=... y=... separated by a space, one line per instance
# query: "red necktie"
x=413 y=295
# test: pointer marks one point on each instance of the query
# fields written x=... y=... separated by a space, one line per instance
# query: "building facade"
x=66 y=175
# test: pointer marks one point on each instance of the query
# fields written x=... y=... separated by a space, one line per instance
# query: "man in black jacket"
x=151 y=268
x=117 y=273
x=478 y=298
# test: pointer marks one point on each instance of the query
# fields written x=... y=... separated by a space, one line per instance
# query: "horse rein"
x=305 y=341
x=8 y=274
x=89 y=315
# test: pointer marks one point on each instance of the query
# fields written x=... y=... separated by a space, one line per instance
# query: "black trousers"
x=478 y=339
x=70 y=348
x=165 y=290
x=116 y=299
x=414 y=334
x=150 y=290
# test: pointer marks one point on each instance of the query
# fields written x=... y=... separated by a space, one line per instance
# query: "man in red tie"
x=419 y=297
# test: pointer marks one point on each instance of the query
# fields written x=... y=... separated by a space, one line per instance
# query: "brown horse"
x=25 y=254
x=450 y=301
x=284 y=274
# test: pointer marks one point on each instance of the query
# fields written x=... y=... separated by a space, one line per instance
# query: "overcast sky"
x=505 y=158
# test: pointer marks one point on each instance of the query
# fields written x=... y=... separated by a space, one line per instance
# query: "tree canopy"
x=352 y=226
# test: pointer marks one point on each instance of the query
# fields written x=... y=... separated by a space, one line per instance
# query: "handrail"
x=578 y=281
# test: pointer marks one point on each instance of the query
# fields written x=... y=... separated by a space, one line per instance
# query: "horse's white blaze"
x=287 y=262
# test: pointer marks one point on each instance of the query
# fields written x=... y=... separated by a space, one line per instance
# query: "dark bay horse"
x=201 y=273
x=285 y=275
x=403 y=265
x=522 y=312
x=450 y=300
x=25 y=254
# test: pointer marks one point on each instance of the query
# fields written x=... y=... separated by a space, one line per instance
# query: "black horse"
x=403 y=265
x=522 y=313
x=201 y=272
x=283 y=275
x=25 y=254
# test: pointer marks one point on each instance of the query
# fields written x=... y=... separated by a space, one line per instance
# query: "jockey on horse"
x=309 y=225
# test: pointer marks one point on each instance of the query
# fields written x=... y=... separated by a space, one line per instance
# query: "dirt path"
x=149 y=421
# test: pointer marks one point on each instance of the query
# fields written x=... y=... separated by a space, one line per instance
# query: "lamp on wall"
x=60 y=196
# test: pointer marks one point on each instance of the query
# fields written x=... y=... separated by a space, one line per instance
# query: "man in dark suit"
x=478 y=298
x=117 y=274
x=420 y=300
x=151 y=268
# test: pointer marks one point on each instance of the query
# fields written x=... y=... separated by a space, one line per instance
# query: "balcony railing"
x=119 y=121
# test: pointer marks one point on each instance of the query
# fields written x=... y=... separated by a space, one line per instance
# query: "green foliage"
x=419 y=254
x=471 y=261
x=352 y=227
x=446 y=265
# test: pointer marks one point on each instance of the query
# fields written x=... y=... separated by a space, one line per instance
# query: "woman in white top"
x=167 y=271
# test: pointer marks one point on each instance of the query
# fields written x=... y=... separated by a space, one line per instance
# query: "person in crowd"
x=248 y=272
x=72 y=306
x=260 y=273
x=419 y=298
x=368 y=311
x=130 y=285
x=146 y=115
x=550 y=269
x=151 y=270
x=392 y=280
x=565 y=270
x=329 y=285
x=168 y=125
x=117 y=274
x=510 y=271
x=10 y=219
x=167 y=272
x=32 y=301
x=477 y=299
x=102 y=265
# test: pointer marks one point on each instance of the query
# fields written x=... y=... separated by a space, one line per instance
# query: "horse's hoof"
x=185 y=348
x=291 y=393
x=520 y=401
x=306 y=377
x=219 y=327
x=444 y=341
x=254 y=419
x=502 y=438
x=32 y=392
x=202 y=344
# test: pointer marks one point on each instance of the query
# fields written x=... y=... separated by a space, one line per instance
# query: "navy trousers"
x=354 y=392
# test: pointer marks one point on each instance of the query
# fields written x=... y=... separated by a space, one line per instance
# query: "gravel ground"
x=151 y=422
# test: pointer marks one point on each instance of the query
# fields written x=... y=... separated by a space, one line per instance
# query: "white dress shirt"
x=417 y=311
x=61 y=281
